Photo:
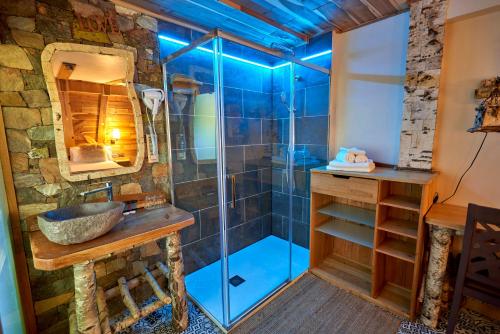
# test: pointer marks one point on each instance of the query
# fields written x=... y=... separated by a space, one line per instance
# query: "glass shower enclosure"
x=245 y=125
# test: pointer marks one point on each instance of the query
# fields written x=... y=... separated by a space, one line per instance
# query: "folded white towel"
x=354 y=150
x=345 y=156
x=343 y=164
x=360 y=158
x=351 y=167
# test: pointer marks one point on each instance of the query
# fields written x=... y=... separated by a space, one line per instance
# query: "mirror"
x=97 y=118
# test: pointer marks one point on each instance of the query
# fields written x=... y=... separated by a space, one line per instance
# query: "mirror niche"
x=97 y=119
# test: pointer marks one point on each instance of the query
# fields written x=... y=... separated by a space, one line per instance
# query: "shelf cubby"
x=398 y=221
x=401 y=195
x=396 y=297
x=397 y=248
x=356 y=233
x=349 y=212
x=349 y=275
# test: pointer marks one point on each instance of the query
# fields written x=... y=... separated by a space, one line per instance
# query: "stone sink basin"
x=80 y=223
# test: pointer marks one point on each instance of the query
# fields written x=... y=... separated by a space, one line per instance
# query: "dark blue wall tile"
x=251 y=183
x=267 y=131
x=202 y=253
x=237 y=214
x=307 y=77
x=267 y=226
x=257 y=156
x=209 y=219
x=257 y=206
x=244 y=235
x=233 y=102
x=207 y=168
x=235 y=161
x=277 y=179
x=277 y=225
x=266 y=179
x=257 y=104
x=242 y=131
x=240 y=75
x=192 y=232
x=312 y=130
x=317 y=100
x=183 y=167
x=196 y=195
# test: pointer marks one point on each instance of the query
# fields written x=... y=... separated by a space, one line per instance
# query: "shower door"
x=258 y=263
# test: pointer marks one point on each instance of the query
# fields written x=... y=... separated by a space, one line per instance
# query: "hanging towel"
x=345 y=156
x=360 y=158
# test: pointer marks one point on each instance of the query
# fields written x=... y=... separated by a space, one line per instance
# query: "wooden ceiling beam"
x=265 y=19
x=371 y=8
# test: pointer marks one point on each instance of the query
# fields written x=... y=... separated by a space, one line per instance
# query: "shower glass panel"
x=258 y=262
x=311 y=90
x=192 y=106
x=246 y=126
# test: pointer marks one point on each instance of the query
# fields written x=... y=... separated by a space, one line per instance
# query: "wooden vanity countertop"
x=136 y=229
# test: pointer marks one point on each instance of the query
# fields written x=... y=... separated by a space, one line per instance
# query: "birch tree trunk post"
x=87 y=316
x=438 y=259
x=176 y=284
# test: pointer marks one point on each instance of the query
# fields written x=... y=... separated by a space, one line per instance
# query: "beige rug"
x=312 y=305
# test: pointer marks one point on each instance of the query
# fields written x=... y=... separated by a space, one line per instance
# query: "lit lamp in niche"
x=115 y=135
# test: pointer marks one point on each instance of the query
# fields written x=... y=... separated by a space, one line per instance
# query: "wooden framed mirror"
x=97 y=117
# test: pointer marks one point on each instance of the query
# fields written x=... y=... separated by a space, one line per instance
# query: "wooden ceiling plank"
x=371 y=8
x=302 y=14
x=158 y=12
x=261 y=17
x=399 y=4
x=347 y=12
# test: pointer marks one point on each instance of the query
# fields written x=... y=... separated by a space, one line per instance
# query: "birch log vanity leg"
x=88 y=311
x=367 y=233
x=176 y=283
x=87 y=314
x=445 y=221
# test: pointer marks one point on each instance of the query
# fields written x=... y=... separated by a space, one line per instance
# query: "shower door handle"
x=233 y=191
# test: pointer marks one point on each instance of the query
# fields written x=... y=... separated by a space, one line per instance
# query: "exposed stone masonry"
x=26 y=26
x=423 y=69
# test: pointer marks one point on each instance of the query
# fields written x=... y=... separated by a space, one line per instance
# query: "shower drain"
x=236 y=280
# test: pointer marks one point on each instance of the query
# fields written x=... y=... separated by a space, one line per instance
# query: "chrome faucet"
x=108 y=187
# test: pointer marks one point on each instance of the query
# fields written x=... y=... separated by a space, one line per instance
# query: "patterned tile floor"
x=158 y=322
x=469 y=322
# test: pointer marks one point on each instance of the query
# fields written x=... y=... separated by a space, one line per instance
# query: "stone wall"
x=26 y=26
x=423 y=70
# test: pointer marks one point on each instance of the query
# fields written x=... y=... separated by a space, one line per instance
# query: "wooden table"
x=444 y=220
x=145 y=226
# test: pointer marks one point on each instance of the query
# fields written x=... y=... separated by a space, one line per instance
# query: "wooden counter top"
x=136 y=229
x=384 y=173
x=449 y=216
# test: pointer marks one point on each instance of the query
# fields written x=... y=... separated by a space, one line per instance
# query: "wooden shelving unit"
x=367 y=233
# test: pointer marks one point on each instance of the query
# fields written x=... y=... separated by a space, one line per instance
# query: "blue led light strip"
x=176 y=41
